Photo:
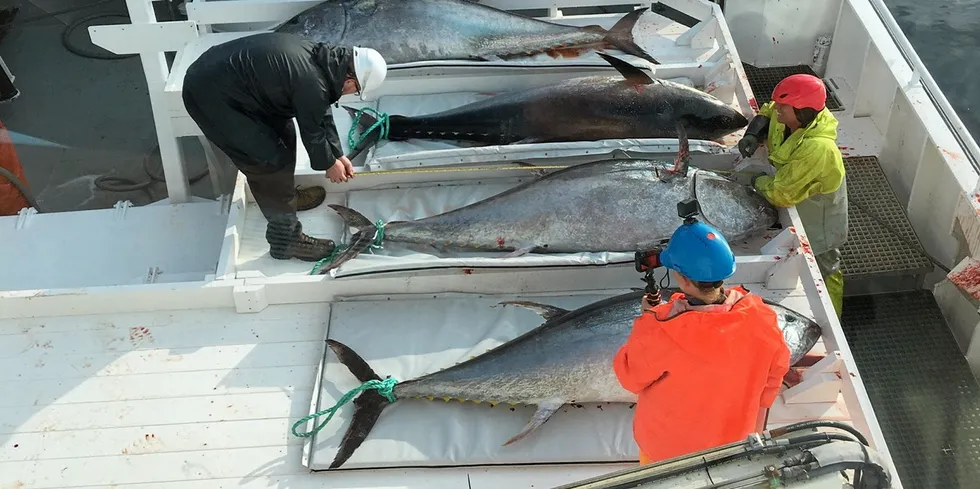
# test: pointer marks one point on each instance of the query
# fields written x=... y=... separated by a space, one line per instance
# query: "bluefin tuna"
x=406 y=31
x=565 y=360
x=618 y=205
x=632 y=105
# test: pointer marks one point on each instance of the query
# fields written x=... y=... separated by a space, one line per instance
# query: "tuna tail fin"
x=362 y=239
x=621 y=36
x=367 y=406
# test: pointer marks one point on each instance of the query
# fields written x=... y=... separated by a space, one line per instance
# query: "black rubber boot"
x=309 y=198
x=287 y=240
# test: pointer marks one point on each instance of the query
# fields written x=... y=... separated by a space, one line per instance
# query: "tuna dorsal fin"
x=632 y=74
x=545 y=410
x=546 y=311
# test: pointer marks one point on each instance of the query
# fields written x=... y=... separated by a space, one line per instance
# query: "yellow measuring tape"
x=462 y=169
x=499 y=168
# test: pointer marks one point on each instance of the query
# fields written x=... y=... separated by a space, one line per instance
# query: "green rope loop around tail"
x=381 y=124
x=379 y=236
x=384 y=387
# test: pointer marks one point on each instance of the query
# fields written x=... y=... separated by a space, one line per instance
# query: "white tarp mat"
x=409 y=203
x=433 y=334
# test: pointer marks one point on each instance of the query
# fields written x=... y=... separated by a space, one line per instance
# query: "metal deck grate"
x=764 y=80
x=923 y=393
x=871 y=248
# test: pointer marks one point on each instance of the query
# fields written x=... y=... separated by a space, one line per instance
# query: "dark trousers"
x=264 y=150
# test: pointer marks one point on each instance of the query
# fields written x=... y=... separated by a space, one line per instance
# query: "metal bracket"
x=821 y=382
x=701 y=36
x=121 y=208
x=24 y=217
x=151 y=275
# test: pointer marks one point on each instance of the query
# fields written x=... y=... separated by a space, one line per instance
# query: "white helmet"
x=370 y=69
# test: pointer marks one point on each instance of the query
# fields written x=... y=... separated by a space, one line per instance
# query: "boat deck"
x=925 y=397
x=201 y=398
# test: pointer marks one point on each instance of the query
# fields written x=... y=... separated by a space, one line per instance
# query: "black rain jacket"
x=272 y=77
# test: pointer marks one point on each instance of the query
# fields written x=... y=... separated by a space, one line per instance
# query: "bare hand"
x=338 y=172
x=645 y=305
x=348 y=167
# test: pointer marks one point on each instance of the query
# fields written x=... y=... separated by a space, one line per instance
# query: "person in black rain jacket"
x=244 y=94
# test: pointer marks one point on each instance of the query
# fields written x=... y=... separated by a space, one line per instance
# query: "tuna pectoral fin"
x=523 y=250
x=621 y=36
x=683 y=150
x=546 y=311
x=544 y=412
x=367 y=406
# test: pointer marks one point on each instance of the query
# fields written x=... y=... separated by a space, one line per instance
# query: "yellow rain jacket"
x=809 y=175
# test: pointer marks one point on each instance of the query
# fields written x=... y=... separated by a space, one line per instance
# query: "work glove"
x=747 y=145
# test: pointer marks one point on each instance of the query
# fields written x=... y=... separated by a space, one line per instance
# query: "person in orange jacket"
x=707 y=364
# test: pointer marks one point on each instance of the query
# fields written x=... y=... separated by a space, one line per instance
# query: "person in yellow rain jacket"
x=801 y=135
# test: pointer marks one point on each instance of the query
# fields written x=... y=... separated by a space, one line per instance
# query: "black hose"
x=21 y=187
x=110 y=183
x=799 y=440
x=817 y=424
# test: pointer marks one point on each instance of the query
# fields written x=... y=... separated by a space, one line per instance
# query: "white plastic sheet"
x=433 y=334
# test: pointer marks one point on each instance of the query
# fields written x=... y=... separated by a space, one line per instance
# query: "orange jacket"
x=702 y=373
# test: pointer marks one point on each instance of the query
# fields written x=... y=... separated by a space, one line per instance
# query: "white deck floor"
x=200 y=398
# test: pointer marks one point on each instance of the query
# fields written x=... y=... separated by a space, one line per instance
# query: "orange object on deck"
x=672 y=361
x=11 y=200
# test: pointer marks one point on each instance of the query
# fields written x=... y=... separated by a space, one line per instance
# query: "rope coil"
x=381 y=123
x=384 y=387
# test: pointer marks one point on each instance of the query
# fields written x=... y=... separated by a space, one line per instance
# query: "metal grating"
x=871 y=247
x=764 y=80
x=923 y=392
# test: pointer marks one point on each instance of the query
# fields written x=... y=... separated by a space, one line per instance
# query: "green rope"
x=381 y=124
x=384 y=387
x=379 y=237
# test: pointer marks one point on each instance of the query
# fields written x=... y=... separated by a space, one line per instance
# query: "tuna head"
x=705 y=114
x=737 y=210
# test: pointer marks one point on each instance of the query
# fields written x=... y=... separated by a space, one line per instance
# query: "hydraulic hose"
x=21 y=187
x=818 y=424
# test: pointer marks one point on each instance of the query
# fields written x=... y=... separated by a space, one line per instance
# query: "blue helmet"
x=699 y=252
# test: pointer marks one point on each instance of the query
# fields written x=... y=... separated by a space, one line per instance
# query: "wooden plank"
x=157 y=386
x=156 y=412
x=40 y=364
x=131 y=335
x=138 y=440
x=202 y=316
x=403 y=479
x=153 y=467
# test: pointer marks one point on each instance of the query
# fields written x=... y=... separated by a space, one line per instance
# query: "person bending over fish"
x=707 y=364
x=802 y=144
x=244 y=94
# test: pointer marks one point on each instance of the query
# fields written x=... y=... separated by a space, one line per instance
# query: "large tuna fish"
x=405 y=31
x=568 y=359
x=611 y=205
x=632 y=105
